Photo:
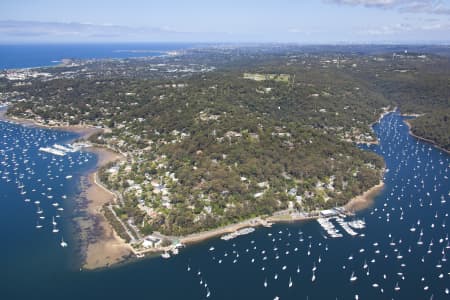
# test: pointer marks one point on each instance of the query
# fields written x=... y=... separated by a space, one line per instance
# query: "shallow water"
x=417 y=188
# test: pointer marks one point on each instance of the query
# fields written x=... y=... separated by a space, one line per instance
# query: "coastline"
x=387 y=110
x=107 y=248
x=84 y=131
x=422 y=138
x=365 y=200
x=355 y=204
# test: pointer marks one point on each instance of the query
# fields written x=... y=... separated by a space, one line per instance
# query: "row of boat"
x=401 y=252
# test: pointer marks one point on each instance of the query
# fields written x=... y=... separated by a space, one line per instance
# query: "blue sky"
x=299 y=21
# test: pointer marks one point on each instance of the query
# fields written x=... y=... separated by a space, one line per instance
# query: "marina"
x=62 y=150
x=237 y=233
x=377 y=250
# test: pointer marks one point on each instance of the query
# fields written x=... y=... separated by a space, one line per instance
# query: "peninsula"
x=213 y=140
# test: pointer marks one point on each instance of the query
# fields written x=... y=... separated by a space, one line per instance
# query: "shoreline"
x=433 y=143
x=109 y=249
x=365 y=200
x=387 y=110
x=85 y=131
x=357 y=203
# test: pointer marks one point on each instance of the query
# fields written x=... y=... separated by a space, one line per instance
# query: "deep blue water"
x=38 y=55
x=413 y=205
x=416 y=195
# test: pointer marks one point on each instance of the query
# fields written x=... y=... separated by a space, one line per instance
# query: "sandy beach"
x=357 y=203
x=104 y=247
x=201 y=236
x=84 y=131
x=107 y=248
x=101 y=244
x=365 y=200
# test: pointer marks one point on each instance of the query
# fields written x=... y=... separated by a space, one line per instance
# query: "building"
x=151 y=242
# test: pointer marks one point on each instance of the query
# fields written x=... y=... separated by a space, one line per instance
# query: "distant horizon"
x=233 y=21
x=386 y=43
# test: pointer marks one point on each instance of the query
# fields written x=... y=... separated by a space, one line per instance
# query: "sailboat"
x=265 y=282
x=313 y=278
x=353 y=277
x=63 y=243
x=419 y=242
x=38 y=226
x=290 y=282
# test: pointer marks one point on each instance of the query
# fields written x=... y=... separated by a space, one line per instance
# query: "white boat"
x=52 y=151
x=290 y=282
x=353 y=277
x=165 y=255
x=237 y=233
x=63 y=243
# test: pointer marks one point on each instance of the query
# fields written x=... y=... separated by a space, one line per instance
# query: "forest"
x=252 y=133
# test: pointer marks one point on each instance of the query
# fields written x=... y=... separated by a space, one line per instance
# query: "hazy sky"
x=300 y=21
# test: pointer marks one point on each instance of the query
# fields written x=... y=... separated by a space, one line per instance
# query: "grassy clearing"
x=262 y=77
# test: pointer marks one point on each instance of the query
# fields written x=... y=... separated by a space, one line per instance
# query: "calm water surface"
x=37 y=55
x=413 y=206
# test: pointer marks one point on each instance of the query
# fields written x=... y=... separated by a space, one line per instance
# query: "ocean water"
x=416 y=196
x=412 y=208
x=38 y=55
